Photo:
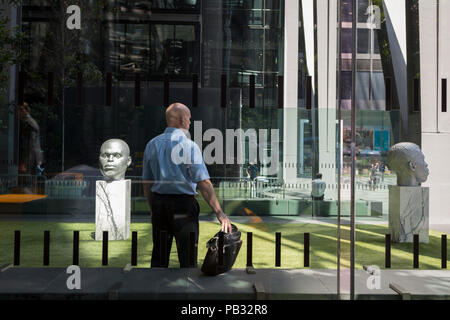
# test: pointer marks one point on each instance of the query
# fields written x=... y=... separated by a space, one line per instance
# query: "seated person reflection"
x=170 y=182
x=30 y=155
x=318 y=188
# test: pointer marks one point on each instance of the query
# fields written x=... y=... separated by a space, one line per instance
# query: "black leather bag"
x=231 y=244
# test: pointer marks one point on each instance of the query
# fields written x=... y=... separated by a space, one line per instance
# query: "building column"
x=434 y=52
x=327 y=98
x=290 y=112
x=395 y=12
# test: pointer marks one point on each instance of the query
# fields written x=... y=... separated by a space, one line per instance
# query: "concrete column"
x=434 y=51
x=444 y=63
x=326 y=73
x=428 y=64
x=395 y=13
x=290 y=114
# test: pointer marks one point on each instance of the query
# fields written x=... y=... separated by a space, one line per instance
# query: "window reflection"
x=173 y=50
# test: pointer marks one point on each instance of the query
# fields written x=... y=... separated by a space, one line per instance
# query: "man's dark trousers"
x=177 y=215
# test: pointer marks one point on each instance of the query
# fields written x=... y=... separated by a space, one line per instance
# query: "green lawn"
x=369 y=246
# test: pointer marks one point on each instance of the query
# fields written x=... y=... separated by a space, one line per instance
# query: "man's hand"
x=226 y=223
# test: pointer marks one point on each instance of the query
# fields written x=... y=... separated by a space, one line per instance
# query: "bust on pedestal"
x=408 y=201
x=113 y=195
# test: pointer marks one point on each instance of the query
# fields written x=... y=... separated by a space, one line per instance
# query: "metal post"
x=306 y=244
x=17 y=248
x=416 y=252
x=353 y=149
x=76 y=248
x=278 y=249
x=388 y=251
x=105 y=249
x=134 y=244
x=444 y=251
x=46 y=248
x=249 y=249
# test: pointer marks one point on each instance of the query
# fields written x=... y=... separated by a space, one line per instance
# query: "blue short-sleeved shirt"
x=174 y=163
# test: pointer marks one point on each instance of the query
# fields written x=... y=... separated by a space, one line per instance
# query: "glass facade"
x=320 y=90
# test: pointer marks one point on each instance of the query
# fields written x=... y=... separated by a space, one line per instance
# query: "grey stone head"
x=408 y=162
x=114 y=159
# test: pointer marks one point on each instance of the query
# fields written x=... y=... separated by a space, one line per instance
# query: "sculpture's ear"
x=129 y=161
x=412 y=166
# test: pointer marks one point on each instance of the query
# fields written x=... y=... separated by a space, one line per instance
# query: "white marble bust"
x=408 y=162
x=114 y=159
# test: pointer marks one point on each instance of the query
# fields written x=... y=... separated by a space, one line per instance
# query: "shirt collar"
x=174 y=131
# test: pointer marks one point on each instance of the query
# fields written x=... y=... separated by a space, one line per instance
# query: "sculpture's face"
x=114 y=160
x=421 y=170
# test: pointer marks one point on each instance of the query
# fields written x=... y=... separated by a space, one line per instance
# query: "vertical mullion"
x=252 y=91
x=195 y=90
x=308 y=92
x=416 y=95
x=137 y=89
x=280 y=92
x=79 y=88
x=108 y=89
x=166 y=90
x=388 y=84
x=50 y=84
x=353 y=150
x=223 y=91
x=21 y=88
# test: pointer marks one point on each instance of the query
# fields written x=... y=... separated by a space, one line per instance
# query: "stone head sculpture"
x=114 y=159
x=408 y=162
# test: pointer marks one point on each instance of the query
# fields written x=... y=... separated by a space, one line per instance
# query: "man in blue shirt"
x=173 y=168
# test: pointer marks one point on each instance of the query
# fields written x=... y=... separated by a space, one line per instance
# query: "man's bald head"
x=178 y=116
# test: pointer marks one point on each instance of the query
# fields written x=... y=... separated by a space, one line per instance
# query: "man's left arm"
x=147 y=187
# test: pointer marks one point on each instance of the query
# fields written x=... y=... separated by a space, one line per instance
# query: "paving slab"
x=191 y=284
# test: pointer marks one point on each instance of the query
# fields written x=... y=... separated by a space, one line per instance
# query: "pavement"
x=237 y=284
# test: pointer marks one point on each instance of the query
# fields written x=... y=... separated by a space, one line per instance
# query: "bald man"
x=173 y=168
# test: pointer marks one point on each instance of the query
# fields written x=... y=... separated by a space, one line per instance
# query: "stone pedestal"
x=112 y=209
x=408 y=213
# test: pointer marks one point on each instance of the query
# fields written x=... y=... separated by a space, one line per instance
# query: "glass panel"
x=382 y=115
x=239 y=39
